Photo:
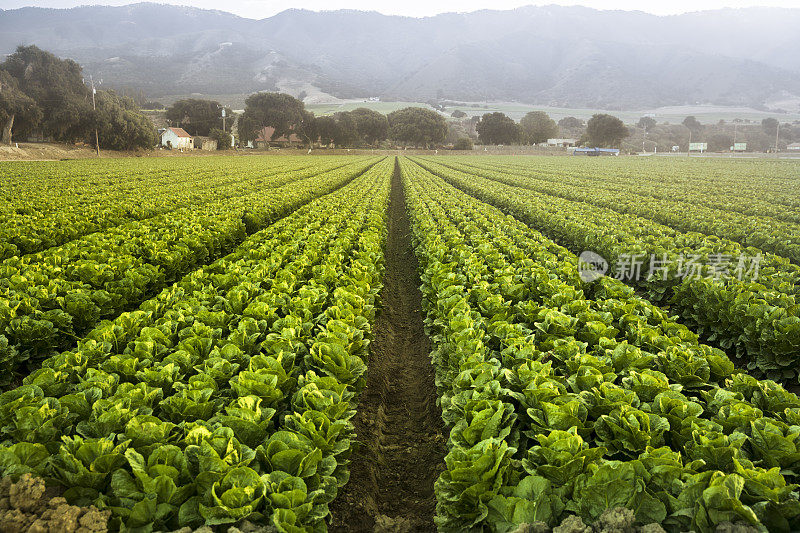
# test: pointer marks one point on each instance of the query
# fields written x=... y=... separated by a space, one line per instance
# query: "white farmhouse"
x=177 y=138
x=563 y=143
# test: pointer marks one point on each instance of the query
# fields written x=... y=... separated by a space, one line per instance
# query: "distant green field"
x=705 y=114
x=382 y=107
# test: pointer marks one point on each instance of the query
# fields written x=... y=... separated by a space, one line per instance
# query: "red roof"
x=265 y=135
x=180 y=132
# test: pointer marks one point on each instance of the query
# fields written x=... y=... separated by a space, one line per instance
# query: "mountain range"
x=550 y=55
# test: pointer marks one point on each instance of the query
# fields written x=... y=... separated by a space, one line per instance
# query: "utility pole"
x=223 y=119
x=94 y=106
x=777 y=134
x=689 y=149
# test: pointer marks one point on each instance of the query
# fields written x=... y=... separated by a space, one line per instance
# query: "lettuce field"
x=396 y=344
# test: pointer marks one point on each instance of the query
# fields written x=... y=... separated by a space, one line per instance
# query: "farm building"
x=264 y=138
x=595 y=151
x=563 y=143
x=205 y=143
x=177 y=138
x=794 y=147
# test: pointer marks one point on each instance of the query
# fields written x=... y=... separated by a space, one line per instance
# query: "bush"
x=223 y=139
x=463 y=143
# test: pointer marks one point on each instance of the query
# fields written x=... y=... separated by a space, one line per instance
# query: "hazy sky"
x=418 y=8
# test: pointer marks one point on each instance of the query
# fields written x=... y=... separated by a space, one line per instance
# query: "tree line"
x=721 y=136
x=43 y=94
x=606 y=131
x=602 y=130
x=411 y=126
x=362 y=127
x=285 y=117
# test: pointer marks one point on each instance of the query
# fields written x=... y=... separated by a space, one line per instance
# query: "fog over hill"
x=560 y=56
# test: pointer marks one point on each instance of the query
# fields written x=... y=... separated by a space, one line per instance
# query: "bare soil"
x=398 y=421
x=44 y=152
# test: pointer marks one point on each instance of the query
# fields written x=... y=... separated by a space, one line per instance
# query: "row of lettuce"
x=768 y=233
x=46 y=204
x=751 y=311
x=50 y=298
x=567 y=398
x=229 y=395
x=763 y=188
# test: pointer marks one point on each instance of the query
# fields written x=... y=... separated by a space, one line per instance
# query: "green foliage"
x=223 y=138
x=327 y=128
x=235 y=497
x=536 y=127
x=750 y=309
x=121 y=126
x=153 y=489
x=14 y=106
x=692 y=123
x=56 y=85
x=39 y=91
x=464 y=143
x=358 y=127
x=199 y=117
x=229 y=395
x=497 y=128
x=345 y=132
x=281 y=111
x=605 y=131
x=770 y=126
x=417 y=126
x=473 y=477
x=372 y=127
x=570 y=123
x=64 y=291
x=646 y=123
x=566 y=398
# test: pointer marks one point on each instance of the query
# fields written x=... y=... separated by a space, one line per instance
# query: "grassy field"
x=674 y=114
x=382 y=107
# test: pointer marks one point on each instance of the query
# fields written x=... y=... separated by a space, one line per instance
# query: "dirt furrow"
x=398 y=421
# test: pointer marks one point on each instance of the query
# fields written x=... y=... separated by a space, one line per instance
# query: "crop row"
x=45 y=206
x=50 y=298
x=561 y=404
x=228 y=396
x=757 y=319
x=771 y=235
x=760 y=187
x=776 y=272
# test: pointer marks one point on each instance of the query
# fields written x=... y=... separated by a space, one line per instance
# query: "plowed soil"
x=397 y=422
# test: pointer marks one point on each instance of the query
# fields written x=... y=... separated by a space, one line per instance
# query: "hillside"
x=560 y=56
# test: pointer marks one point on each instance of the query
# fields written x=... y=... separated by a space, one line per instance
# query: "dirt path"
x=398 y=421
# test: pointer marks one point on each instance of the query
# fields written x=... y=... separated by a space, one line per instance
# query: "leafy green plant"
x=617 y=404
